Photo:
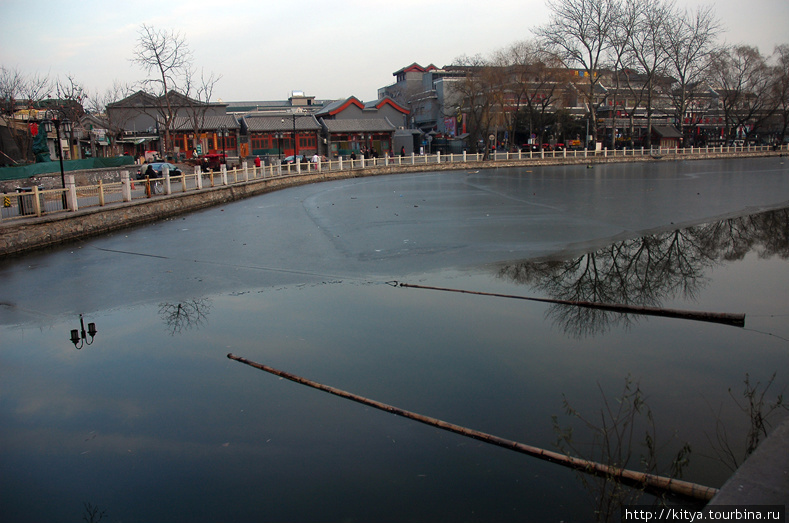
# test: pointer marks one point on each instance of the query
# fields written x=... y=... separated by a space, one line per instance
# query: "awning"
x=138 y=141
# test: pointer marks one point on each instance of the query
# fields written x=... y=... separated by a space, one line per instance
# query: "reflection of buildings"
x=647 y=270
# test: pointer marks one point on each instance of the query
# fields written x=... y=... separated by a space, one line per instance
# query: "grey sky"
x=265 y=49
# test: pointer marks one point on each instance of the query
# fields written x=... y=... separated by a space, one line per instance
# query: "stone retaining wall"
x=24 y=235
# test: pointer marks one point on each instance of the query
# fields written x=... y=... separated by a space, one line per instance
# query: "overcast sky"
x=265 y=49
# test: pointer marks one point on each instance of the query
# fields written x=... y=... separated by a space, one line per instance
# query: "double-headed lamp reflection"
x=79 y=337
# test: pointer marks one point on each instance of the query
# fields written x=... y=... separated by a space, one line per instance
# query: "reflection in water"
x=647 y=270
x=185 y=315
x=79 y=337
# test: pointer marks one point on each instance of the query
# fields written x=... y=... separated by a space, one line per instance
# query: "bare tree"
x=532 y=81
x=579 y=31
x=780 y=88
x=166 y=56
x=69 y=100
x=199 y=92
x=478 y=94
x=115 y=120
x=620 y=37
x=16 y=88
x=743 y=80
x=688 y=40
x=647 y=49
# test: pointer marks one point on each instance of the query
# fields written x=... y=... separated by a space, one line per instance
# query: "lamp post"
x=295 y=147
x=54 y=119
x=79 y=337
x=295 y=144
x=223 y=134
x=279 y=145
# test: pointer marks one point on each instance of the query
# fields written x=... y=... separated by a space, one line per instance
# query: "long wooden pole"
x=736 y=320
x=629 y=477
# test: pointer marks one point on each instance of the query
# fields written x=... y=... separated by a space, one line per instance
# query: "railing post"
x=71 y=195
x=438 y=156
x=198 y=177
x=167 y=187
x=340 y=158
x=101 y=194
x=464 y=156
x=246 y=172
x=413 y=159
x=223 y=172
x=125 y=186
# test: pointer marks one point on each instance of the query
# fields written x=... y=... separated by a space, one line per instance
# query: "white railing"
x=36 y=201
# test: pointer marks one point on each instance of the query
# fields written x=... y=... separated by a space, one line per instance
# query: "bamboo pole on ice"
x=736 y=320
x=629 y=477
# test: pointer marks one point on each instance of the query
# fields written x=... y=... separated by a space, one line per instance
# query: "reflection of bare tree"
x=185 y=315
x=645 y=271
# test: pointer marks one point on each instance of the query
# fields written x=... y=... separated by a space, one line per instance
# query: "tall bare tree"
x=579 y=31
x=167 y=59
x=780 y=88
x=647 y=49
x=620 y=37
x=532 y=81
x=743 y=81
x=688 y=40
x=478 y=94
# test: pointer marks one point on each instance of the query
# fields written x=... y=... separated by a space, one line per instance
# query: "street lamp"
x=54 y=119
x=79 y=338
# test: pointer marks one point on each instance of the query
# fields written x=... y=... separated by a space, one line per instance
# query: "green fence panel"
x=38 y=169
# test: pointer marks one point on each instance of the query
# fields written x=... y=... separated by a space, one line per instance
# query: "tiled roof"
x=206 y=123
x=280 y=123
x=369 y=125
x=667 y=131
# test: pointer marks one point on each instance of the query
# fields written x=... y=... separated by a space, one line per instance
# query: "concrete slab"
x=764 y=477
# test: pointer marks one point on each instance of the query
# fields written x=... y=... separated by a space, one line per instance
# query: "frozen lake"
x=152 y=422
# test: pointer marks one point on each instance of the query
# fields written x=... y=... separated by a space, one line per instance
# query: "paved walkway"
x=764 y=477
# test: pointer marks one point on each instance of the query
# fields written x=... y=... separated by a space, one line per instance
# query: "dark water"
x=152 y=422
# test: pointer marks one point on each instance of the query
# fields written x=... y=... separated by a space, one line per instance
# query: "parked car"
x=157 y=167
x=289 y=159
x=547 y=147
x=530 y=147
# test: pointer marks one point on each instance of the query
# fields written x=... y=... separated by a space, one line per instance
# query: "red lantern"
x=33 y=129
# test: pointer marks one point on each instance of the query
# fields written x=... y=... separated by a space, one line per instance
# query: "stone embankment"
x=21 y=236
